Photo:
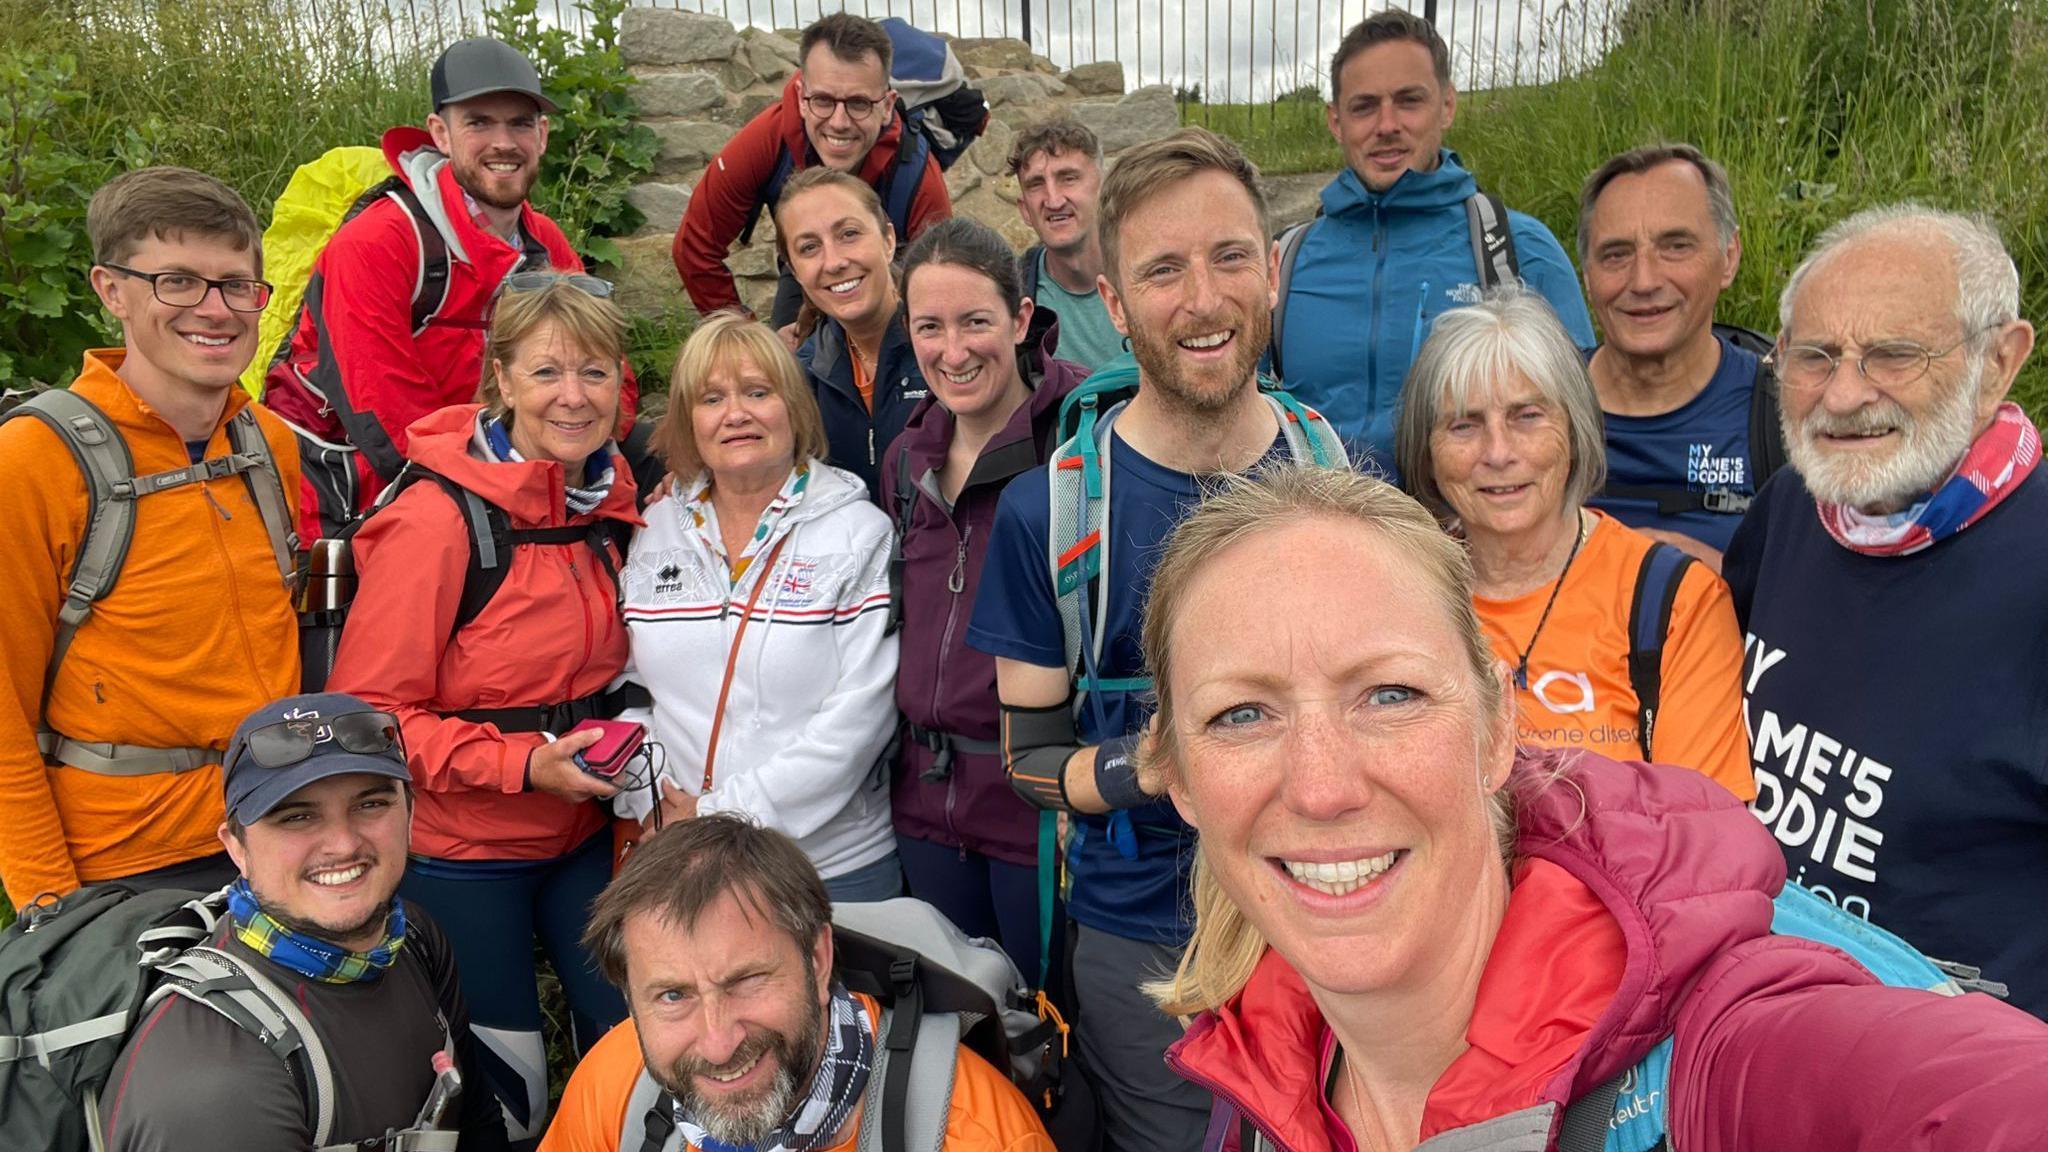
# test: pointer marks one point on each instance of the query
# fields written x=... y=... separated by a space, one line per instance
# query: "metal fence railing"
x=1226 y=51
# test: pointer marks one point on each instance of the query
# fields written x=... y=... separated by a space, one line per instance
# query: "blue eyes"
x=1382 y=696
x=1242 y=714
x=1391 y=694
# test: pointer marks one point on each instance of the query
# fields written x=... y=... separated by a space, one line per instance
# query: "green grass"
x=1817 y=108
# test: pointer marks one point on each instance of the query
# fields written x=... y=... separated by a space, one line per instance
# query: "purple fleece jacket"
x=941 y=683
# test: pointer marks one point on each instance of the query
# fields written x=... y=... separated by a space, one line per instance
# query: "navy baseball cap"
x=299 y=740
x=480 y=66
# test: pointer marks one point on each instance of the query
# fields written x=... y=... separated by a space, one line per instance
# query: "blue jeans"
x=882 y=880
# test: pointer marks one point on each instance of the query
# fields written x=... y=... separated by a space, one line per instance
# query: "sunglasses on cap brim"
x=537 y=280
x=290 y=742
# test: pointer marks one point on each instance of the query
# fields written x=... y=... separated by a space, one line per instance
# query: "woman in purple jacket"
x=1409 y=935
x=969 y=844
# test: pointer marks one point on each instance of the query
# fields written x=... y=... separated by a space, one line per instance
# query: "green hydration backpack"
x=77 y=976
x=1628 y=1113
x=1077 y=549
x=112 y=490
x=939 y=990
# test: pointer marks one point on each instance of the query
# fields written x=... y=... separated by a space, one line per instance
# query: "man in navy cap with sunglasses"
x=319 y=812
x=395 y=312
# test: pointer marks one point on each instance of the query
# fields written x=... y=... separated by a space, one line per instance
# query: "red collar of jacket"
x=798 y=142
x=406 y=139
x=1649 y=871
x=530 y=491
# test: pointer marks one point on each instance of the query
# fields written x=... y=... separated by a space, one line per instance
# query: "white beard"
x=1932 y=445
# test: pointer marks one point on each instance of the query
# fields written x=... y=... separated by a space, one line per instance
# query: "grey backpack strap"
x=1493 y=246
x=109 y=471
x=254 y=1003
x=928 y=1098
x=266 y=487
x=1289 y=245
x=649 y=1124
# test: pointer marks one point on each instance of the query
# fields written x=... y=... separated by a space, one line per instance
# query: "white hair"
x=1987 y=283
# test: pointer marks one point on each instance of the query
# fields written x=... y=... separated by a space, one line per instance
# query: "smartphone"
x=620 y=741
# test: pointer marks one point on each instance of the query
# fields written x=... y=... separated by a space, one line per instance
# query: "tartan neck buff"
x=1989 y=472
x=309 y=956
x=834 y=1093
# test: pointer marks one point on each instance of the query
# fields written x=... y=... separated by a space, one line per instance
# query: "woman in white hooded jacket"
x=757 y=600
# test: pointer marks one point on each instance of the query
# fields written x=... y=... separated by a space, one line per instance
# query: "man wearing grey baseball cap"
x=395 y=311
x=319 y=812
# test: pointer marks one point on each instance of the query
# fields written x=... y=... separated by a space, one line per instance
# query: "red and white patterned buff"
x=1997 y=461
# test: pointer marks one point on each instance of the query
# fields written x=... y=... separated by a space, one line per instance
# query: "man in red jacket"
x=838 y=110
x=395 y=312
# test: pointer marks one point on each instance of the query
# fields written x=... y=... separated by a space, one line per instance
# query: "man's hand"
x=1687 y=545
x=789 y=337
x=552 y=769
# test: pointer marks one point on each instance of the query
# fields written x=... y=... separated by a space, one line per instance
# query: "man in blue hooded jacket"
x=1394 y=247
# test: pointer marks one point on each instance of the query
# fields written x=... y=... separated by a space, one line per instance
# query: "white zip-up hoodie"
x=812 y=702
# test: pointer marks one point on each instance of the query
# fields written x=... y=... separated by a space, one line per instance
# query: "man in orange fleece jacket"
x=199 y=629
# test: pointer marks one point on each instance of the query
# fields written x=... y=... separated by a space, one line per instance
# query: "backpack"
x=112 y=491
x=492 y=541
x=1493 y=257
x=1077 y=548
x=1766 y=441
x=322 y=196
x=1628 y=1113
x=942 y=115
x=77 y=975
x=939 y=990
x=1658 y=575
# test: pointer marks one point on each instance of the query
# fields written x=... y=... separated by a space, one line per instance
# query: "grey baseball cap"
x=301 y=740
x=480 y=66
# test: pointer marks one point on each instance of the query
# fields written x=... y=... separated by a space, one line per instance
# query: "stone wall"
x=700 y=80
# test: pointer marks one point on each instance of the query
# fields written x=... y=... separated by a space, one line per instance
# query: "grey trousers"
x=1144 y=1106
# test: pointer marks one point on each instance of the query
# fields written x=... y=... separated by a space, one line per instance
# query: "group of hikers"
x=1376 y=711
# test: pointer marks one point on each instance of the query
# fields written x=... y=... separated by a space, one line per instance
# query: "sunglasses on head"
x=538 y=279
x=290 y=742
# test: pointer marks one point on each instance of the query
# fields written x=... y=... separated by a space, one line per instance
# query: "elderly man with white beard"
x=1892 y=599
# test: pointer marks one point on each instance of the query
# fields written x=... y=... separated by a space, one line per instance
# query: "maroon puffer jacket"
x=941 y=683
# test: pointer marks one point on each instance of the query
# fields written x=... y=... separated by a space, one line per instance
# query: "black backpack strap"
x=1027 y=271
x=1289 y=244
x=900 y=180
x=905 y=503
x=431 y=291
x=1493 y=244
x=1584 y=1128
x=1649 y=619
x=769 y=192
x=1766 y=433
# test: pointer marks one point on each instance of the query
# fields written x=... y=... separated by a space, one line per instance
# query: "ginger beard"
x=1210 y=390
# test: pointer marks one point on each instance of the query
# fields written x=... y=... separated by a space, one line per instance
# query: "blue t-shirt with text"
x=1016 y=616
x=1702 y=446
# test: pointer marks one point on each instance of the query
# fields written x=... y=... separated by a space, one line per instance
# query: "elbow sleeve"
x=1037 y=742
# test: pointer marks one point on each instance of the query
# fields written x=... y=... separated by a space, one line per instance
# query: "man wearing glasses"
x=838 y=110
x=395 y=311
x=319 y=812
x=145 y=552
x=1890 y=583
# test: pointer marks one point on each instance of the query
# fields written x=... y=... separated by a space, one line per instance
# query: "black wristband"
x=1116 y=772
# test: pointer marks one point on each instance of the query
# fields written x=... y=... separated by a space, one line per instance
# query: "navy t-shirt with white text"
x=1702 y=446
x=1016 y=617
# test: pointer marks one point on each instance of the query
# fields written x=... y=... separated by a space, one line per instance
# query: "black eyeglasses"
x=186 y=290
x=290 y=742
x=541 y=278
x=823 y=106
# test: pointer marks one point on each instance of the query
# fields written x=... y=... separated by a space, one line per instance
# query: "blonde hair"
x=722 y=343
x=591 y=323
x=1225 y=946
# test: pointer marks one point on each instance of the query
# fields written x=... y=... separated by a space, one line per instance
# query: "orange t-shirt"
x=987 y=1112
x=1579 y=694
x=863 y=379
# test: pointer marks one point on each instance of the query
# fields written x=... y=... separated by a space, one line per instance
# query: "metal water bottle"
x=324 y=597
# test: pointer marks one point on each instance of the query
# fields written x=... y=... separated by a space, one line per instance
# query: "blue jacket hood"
x=1446 y=185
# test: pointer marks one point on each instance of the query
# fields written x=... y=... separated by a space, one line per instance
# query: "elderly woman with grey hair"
x=1617 y=644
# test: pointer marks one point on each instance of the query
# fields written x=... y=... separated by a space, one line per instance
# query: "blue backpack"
x=1627 y=1114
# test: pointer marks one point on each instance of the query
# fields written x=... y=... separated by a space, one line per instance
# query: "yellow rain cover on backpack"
x=312 y=207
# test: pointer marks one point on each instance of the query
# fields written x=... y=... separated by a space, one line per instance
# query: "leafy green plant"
x=595 y=149
x=45 y=183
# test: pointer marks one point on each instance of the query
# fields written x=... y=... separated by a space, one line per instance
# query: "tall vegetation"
x=1816 y=107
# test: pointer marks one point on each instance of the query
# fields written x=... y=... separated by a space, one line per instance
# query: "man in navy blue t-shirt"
x=1658 y=240
x=1188 y=280
x=1891 y=592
